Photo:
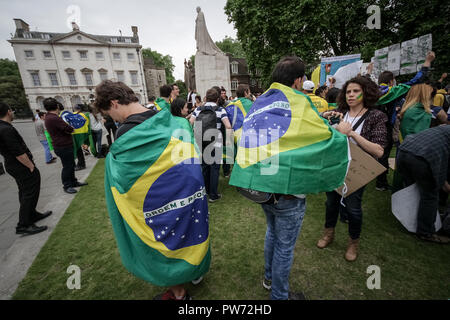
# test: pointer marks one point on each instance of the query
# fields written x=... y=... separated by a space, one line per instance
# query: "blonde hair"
x=419 y=93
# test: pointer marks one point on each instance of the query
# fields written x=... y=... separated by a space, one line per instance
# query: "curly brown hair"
x=371 y=93
x=108 y=90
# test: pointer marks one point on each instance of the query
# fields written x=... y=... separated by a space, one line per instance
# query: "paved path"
x=17 y=253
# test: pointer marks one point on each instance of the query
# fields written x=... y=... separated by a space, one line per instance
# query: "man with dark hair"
x=19 y=164
x=61 y=134
x=393 y=97
x=164 y=100
x=174 y=93
x=269 y=122
x=138 y=241
x=211 y=117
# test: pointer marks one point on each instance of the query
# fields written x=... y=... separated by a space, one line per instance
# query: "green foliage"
x=230 y=45
x=183 y=90
x=312 y=29
x=161 y=61
x=11 y=88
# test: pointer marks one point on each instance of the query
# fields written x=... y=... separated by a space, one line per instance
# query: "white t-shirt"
x=353 y=121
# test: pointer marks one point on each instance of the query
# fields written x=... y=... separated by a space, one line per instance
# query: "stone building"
x=239 y=74
x=68 y=66
x=155 y=77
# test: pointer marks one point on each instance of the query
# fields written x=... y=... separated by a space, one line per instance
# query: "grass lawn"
x=410 y=269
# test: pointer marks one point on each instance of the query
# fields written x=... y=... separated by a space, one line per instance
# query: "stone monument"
x=189 y=75
x=212 y=66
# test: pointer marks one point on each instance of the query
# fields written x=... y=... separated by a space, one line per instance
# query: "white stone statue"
x=205 y=44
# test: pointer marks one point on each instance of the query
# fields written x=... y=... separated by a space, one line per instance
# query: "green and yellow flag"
x=160 y=104
x=287 y=148
x=157 y=203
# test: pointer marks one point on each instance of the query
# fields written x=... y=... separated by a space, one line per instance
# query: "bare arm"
x=373 y=148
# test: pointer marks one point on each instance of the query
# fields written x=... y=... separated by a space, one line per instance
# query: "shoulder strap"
x=364 y=116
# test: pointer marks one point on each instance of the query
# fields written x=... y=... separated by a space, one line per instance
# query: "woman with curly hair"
x=365 y=126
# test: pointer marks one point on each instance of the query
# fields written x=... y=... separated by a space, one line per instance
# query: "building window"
x=103 y=75
x=159 y=77
x=53 y=78
x=120 y=76
x=83 y=55
x=234 y=67
x=35 y=78
x=99 y=55
x=72 y=78
x=130 y=56
x=88 y=77
x=234 y=84
x=45 y=36
x=66 y=54
x=134 y=77
x=114 y=40
x=116 y=55
x=29 y=54
x=47 y=54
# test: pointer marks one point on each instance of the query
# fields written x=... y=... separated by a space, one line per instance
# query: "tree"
x=232 y=46
x=312 y=29
x=11 y=88
x=160 y=60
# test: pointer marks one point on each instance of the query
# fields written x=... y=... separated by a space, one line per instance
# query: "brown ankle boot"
x=352 y=250
x=327 y=238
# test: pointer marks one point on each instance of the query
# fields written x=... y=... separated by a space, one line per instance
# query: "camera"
x=334 y=120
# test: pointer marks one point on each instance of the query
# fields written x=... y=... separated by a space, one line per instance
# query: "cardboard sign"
x=363 y=169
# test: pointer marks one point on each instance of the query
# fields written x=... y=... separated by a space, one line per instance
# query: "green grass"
x=410 y=269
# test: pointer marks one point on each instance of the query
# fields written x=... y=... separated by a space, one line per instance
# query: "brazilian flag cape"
x=160 y=104
x=81 y=132
x=392 y=93
x=287 y=148
x=156 y=200
x=414 y=120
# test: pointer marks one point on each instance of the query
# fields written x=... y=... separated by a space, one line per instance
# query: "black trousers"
x=80 y=157
x=382 y=180
x=353 y=210
x=68 y=163
x=29 y=184
x=416 y=170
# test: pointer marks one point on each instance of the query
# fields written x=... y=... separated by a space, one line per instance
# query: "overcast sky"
x=165 y=26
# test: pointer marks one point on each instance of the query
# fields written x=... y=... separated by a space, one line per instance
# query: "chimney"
x=135 y=31
x=21 y=25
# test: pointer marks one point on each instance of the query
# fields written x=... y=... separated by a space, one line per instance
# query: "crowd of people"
x=375 y=114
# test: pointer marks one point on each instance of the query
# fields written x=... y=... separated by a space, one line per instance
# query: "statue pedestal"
x=212 y=71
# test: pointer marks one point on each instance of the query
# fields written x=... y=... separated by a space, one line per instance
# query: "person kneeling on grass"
x=161 y=225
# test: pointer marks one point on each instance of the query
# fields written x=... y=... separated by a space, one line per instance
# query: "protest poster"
x=363 y=169
x=346 y=73
x=424 y=45
x=329 y=66
x=393 y=63
x=380 y=61
x=408 y=57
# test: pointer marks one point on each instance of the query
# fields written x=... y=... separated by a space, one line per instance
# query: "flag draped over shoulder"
x=392 y=93
x=156 y=200
x=160 y=104
x=236 y=112
x=287 y=148
x=80 y=124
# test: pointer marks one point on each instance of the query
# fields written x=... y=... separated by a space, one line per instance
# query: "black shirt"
x=12 y=144
x=432 y=145
x=134 y=120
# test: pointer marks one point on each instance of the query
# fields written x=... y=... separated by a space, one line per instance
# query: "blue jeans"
x=48 y=155
x=284 y=221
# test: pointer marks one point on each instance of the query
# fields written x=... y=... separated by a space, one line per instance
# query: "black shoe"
x=80 y=184
x=52 y=161
x=41 y=216
x=33 y=229
x=78 y=168
x=100 y=156
x=267 y=284
x=434 y=238
x=70 y=190
x=296 y=296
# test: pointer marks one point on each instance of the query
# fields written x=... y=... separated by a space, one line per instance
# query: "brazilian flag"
x=160 y=104
x=156 y=200
x=287 y=148
x=82 y=129
x=392 y=93
x=236 y=112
